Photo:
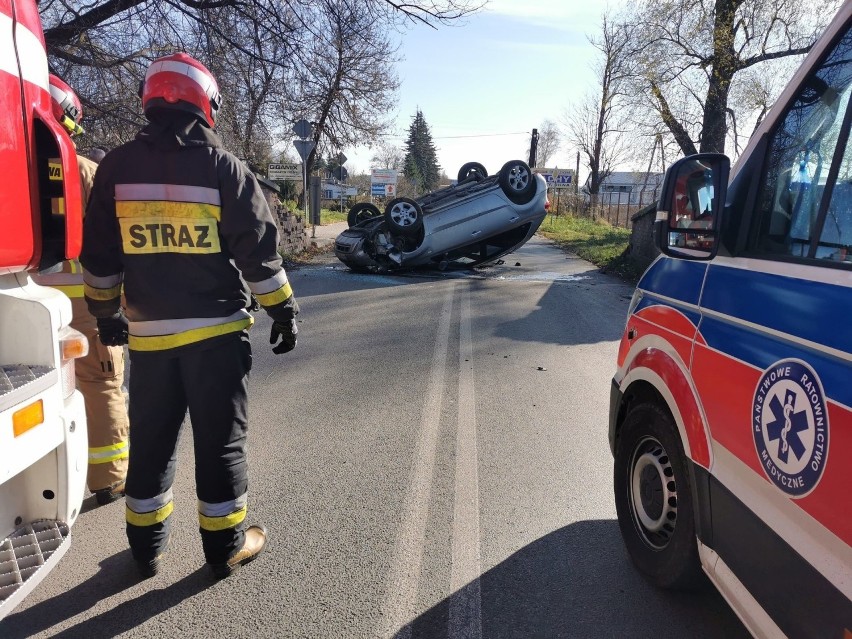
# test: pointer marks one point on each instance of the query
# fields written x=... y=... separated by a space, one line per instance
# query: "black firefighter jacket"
x=176 y=220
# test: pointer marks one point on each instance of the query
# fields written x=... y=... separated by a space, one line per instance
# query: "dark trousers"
x=209 y=379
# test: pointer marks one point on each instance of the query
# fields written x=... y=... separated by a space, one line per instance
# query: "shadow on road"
x=578 y=582
x=568 y=313
x=117 y=574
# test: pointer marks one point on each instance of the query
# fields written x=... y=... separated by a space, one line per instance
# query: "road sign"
x=341 y=159
x=377 y=190
x=284 y=171
x=304 y=147
x=383 y=176
x=302 y=128
x=390 y=190
x=558 y=178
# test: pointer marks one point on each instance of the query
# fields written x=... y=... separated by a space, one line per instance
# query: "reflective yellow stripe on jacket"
x=68 y=279
x=163 y=334
x=273 y=290
x=168 y=218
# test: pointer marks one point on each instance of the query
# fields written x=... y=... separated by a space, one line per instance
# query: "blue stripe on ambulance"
x=649 y=300
x=798 y=307
x=676 y=279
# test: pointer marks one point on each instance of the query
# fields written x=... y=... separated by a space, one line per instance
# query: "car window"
x=796 y=178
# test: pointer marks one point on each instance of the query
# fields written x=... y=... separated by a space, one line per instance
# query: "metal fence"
x=616 y=208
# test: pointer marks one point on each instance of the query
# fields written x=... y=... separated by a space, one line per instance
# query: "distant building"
x=336 y=191
x=630 y=187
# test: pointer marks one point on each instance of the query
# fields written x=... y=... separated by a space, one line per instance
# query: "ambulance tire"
x=654 y=500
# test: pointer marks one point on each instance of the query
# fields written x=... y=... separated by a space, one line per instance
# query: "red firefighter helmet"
x=179 y=81
x=66 y=105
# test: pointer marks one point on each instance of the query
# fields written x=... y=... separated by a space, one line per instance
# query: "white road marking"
x=465 y=617
x=400 y=598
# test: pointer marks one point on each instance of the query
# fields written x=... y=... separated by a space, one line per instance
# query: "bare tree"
x=255 y=47
x=387 y=156
x=549 y=140
x=596 y=125
x=254 y=85
x=344 y=77
x=689 y=52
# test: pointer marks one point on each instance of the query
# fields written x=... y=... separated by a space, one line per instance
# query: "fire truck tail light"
x=72 y=345
x=27 y=418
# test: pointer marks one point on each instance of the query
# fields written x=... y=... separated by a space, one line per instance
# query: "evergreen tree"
x=421 y=158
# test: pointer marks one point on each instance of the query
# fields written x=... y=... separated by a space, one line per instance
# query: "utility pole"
x=533 y=148
x=577 y=176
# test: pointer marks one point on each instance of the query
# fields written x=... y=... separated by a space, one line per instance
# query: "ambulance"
x=43 y=442
x=731 y=407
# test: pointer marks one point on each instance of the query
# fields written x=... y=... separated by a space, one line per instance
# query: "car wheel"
x=517 y=181
x=361 y=212
x=404 y=216
x=653 y=498
x=471 y=169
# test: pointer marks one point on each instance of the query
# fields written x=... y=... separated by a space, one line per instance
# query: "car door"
x=773 y=364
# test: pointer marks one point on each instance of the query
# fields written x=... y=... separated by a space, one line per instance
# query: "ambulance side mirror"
x=690 y=207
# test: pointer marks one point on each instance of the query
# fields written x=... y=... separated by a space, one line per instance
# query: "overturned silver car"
x=475 y=221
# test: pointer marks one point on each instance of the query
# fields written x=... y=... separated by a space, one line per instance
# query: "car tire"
x=654 y=500
x=517 y=181
x=361 y=212
x=404 y=216
x=471 y=169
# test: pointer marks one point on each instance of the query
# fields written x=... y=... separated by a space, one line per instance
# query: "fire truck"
x=731 y=407
x=43 y=442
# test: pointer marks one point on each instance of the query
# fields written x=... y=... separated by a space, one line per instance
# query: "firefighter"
x=101 y=373
x=178 y=220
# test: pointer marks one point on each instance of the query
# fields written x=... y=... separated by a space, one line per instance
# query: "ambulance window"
x=835 y=241
x=791 y=214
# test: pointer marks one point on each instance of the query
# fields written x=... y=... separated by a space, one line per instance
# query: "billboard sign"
x=383 y=176
x=285 y=171
x=558 y=178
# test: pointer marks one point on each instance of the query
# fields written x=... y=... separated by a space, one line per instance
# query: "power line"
x=453 y=137
x=479 y=135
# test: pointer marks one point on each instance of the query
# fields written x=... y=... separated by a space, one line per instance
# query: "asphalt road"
x=431 y=461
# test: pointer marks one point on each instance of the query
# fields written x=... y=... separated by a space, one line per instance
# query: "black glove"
x=113 y=330
x=287 y=331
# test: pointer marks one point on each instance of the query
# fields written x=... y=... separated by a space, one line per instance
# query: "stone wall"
x=293 y=238
x=643 y=247
x=291 y=227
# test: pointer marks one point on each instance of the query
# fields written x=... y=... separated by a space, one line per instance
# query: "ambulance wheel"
x=361 y=212
x=653 y=498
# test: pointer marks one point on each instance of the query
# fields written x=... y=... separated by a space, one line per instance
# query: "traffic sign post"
x=304 y=148
x=303 y=129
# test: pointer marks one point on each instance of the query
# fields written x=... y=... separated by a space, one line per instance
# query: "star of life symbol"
x=790 y=426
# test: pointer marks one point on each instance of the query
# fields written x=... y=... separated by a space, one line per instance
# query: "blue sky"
x=494 y=78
